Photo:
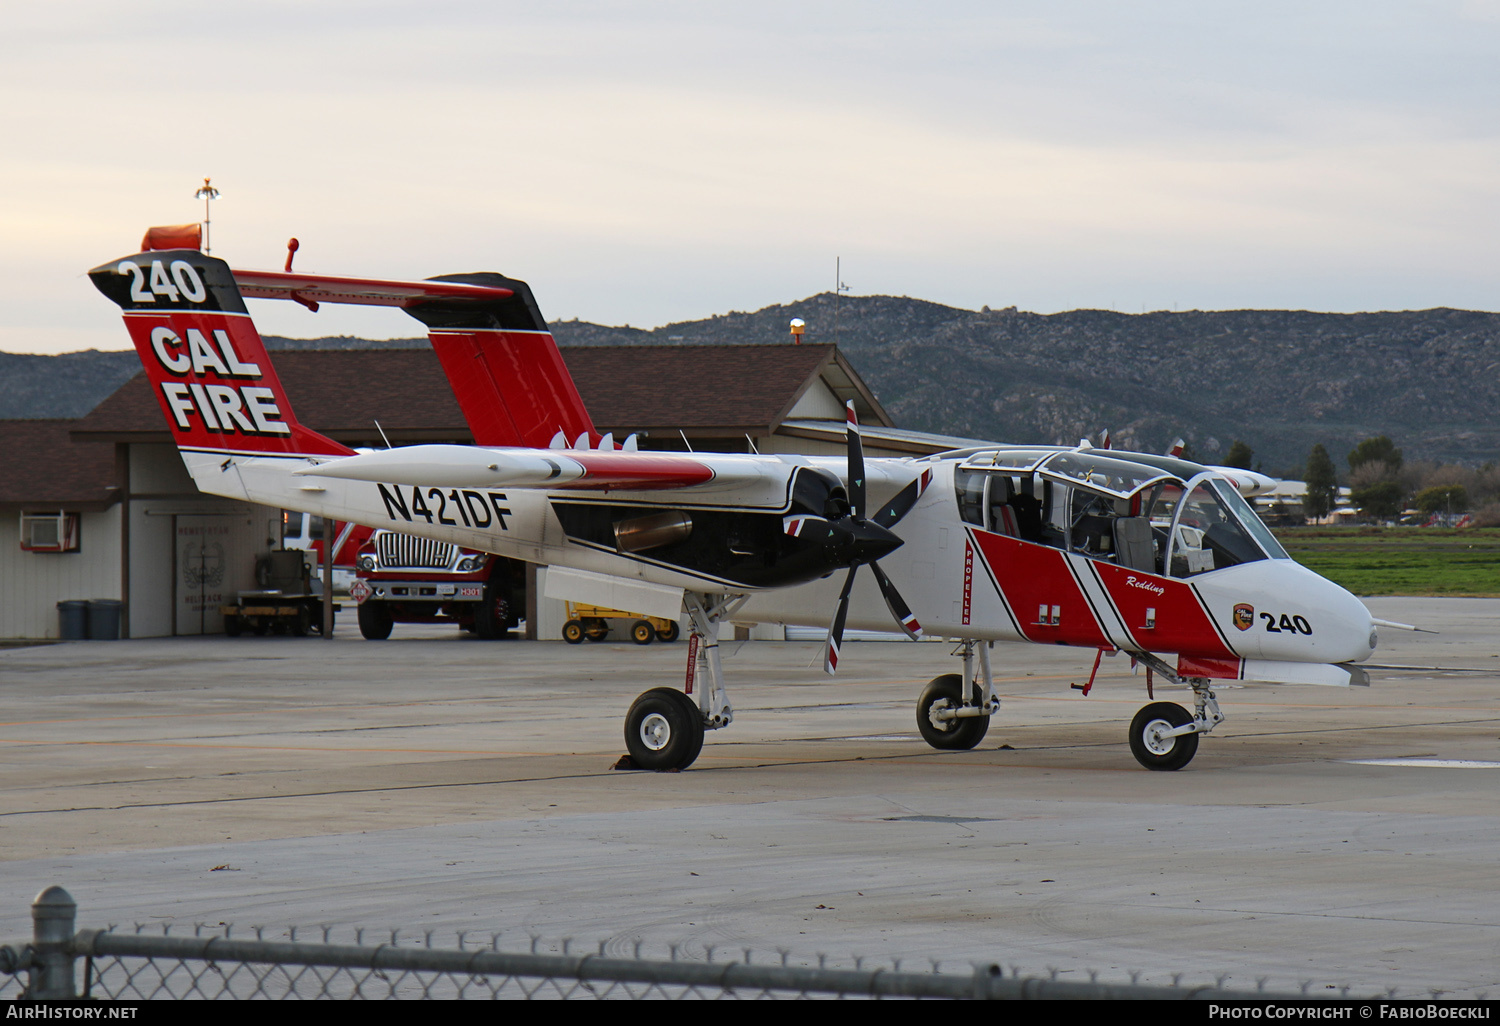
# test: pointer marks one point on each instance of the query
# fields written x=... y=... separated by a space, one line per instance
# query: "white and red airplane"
x=1148 y=555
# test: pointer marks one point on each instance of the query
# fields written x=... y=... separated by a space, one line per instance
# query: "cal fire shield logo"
x=1244 y=616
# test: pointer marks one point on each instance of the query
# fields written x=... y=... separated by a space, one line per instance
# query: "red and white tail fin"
x=206 y=362
x=504 y=366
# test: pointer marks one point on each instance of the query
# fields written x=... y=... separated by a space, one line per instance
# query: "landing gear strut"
x=954 y=710
x=664 y=728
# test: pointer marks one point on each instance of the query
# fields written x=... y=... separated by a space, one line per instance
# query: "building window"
x=49 y=532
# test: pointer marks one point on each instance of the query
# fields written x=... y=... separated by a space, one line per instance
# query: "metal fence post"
x=52 y=917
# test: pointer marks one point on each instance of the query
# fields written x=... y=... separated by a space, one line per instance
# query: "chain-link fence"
x=61 y=962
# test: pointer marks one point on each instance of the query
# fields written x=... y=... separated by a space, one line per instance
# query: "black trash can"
x=104 y=619
x=73 y=620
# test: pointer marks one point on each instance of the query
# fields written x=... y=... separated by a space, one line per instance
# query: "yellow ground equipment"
x=595 y=623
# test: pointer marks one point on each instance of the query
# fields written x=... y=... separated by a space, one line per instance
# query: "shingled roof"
x=42 y=469
x=709 y=389
x=702 y=390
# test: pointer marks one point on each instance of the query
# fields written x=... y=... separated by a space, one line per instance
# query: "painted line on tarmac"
x=1427 y=763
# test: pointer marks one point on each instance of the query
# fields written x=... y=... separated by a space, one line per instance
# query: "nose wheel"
x=1153 y=742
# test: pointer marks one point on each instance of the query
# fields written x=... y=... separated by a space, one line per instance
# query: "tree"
x=1379 y=449
x=1322 y=484
x=1442 y=499
x=1240 y=455
x=1382 y=499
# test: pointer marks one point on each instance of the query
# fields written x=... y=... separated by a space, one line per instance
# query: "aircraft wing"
x=324 y=288
x=464 y=466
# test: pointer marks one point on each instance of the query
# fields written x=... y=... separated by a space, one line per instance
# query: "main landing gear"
x=954 y=710
x=664 y=728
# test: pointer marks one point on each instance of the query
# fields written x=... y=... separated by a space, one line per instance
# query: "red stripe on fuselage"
x=1031 y=576
x=635 y=470
x=1218 y=669
x=1181 y=623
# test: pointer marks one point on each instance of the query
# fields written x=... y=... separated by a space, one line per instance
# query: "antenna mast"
x=207 y=194
x=838 y=288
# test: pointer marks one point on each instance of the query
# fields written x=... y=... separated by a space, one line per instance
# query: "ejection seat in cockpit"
x=1135 y=545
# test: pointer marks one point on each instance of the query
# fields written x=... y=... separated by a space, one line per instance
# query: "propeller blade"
x=897 y=605
x=856 y=462
x=836 y=629
x=905 y=499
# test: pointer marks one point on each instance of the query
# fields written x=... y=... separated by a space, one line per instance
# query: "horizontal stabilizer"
x=324 y=288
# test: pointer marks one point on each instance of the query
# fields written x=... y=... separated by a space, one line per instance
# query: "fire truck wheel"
x=664 y=730
x=947 y=692
x=573 y=632
x=375 y=621
x=490 y=615
x=642 y=632
x=670 y=634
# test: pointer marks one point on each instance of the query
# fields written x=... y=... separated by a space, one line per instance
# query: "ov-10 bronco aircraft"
x=1149 y=555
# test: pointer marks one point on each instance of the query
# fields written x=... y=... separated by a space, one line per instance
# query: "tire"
x=642 y=633
x=1171 y=754
x=942 y=692
x=573 y=632
x=490 y=616
x=233 y=626
x=303 y=622
x=596 y=629
x=668 y=635
x=663 y=730
x=375 y=621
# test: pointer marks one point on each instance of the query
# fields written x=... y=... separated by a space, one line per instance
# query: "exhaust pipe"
x=652 y=532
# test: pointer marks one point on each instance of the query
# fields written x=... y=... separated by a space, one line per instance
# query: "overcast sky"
x=644 y=163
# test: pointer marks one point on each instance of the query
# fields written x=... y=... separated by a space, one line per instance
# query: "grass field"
x=1400 y=560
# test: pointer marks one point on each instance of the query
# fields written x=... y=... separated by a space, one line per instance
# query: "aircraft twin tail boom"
x=1148 y=555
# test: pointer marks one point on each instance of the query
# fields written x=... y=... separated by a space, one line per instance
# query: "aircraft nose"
x=1351 y=629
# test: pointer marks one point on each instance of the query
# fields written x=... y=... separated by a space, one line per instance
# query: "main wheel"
x=375 y=621
x=642 y=632
x=664 y=730
x=947 y=692
x=1152 y=750
x=573 y=632
x=669 y=634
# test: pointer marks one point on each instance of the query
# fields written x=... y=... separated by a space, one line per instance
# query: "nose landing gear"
x=1164 y=735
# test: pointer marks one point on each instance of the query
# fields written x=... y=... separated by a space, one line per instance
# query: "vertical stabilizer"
x=206 y=362
x=504 y=366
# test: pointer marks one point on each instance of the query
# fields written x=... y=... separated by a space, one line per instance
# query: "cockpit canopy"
x=1156 y=515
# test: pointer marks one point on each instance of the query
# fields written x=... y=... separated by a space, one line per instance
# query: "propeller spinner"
x=868 y=540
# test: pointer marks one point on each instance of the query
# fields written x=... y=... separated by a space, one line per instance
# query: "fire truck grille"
x=399 y=551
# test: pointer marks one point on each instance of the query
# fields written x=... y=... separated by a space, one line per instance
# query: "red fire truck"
x=403 y=579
